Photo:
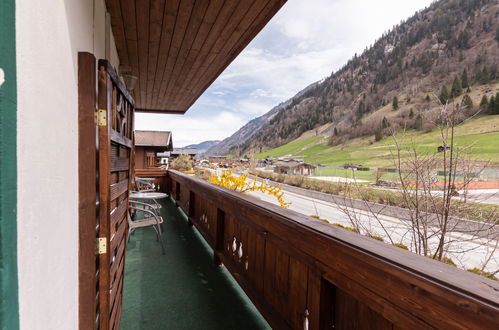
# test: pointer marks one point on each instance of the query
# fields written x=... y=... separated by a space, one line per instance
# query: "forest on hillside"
x=439 y=55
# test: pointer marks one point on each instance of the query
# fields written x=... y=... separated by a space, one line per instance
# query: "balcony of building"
x=286 y=272
x=181 y=289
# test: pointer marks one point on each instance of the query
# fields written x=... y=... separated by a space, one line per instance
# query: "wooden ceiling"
x=177 y=48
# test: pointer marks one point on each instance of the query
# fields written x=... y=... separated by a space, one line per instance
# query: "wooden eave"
x=177 y=48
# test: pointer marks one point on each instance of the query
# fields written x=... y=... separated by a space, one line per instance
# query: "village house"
x=148 y=146
x=294 y=168
x=191 y=152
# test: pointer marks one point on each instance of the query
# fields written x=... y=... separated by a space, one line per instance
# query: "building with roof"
x=148 y=144
x=182 y=151
x=294 y=168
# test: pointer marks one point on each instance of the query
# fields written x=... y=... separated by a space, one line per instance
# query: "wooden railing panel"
x=115 y=163
x=300 y=272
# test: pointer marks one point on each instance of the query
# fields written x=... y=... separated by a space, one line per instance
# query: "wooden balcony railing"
x=304 y=274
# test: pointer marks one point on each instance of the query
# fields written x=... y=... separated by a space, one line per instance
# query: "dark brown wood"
x=177 y=48
x=86 y=191
x=115 y=150
x=300 y=271
x=219 y=236
x=104 y=197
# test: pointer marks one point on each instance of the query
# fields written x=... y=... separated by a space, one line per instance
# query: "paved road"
x=489 y=196
x=465 y=250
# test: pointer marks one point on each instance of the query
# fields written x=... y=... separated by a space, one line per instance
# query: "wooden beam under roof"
x=177 y=48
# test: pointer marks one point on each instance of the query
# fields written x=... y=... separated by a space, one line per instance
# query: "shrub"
x=319 y=218
x=400 y=245
x=480 y=272
x=449 y=261
x=355 y=230
x=376 y=237
x=182 y=163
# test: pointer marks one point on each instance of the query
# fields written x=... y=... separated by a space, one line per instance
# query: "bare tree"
x=432 y=211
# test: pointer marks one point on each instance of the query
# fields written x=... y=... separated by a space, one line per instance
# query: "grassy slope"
x=292 y=148
x=481 y=132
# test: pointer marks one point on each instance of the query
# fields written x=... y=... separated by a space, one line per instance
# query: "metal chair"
x=152 y=207
x=144 y=186
x=151 y=219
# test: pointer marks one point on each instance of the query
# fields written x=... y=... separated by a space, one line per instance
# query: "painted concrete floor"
x=182 y=289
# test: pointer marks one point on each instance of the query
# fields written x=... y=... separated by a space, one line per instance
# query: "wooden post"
x=104 y=101
x=219 y=238
x=87 y=191
x=192 y=208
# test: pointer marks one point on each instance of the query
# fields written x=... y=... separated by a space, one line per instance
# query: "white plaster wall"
x=49 y=36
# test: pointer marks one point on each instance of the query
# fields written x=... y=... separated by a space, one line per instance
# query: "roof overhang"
x=177 y=48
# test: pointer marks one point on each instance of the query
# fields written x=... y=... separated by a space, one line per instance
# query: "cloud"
x=305 y=42
x=190 y=129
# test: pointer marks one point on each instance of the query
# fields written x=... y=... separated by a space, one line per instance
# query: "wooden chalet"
x=294 y=168
x=148 y=144
x=72 y=76
x=191 y=152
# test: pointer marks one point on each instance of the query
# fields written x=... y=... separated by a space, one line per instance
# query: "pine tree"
x=464 y=79
x=427 y=98
x=395 y=103
x=444 y=95
x=411 y=114
x=378 y=135
x=456 y=89
x=492 y=105
x=418 y=123
x=385 y=123
x=467 y=101
x=484 y=102
x=336 y=133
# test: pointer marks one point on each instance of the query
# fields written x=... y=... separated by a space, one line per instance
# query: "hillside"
x=236 y=142
x=442 y=53
x=481 y=132
x=203 y=146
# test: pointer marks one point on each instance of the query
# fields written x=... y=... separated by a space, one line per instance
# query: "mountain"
x=236 y=141
x=203 y=146
x=439 y=54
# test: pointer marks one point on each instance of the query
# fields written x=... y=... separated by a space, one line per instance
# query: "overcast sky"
x=305 y=42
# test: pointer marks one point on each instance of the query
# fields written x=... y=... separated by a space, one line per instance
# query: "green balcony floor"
x=182 y=289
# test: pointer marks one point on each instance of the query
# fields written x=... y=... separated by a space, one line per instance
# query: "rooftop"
x=154 y=139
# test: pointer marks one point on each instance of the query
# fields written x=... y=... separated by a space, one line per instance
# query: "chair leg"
x=157 y=233
x=161 y=241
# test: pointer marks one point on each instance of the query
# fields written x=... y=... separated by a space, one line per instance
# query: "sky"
x=304 y=42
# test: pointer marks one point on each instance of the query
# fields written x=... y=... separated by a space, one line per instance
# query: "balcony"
x=300 y=274
x=181 y=289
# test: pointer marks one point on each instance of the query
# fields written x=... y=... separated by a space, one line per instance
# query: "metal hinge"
x=100 y=245
x=101 y=117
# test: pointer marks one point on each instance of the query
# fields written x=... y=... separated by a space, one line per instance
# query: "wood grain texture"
x=178 y=48
x=87 y=191
x=301 y=270
x=115 y=167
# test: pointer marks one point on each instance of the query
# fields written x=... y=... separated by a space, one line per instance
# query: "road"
x=465 y=250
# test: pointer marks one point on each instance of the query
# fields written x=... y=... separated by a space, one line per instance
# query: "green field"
x=292 y=148
x=481 y=134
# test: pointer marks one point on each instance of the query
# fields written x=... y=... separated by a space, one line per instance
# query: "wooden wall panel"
x=305 y=274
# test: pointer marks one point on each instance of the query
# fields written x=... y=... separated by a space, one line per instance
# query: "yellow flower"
x=239 y=183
